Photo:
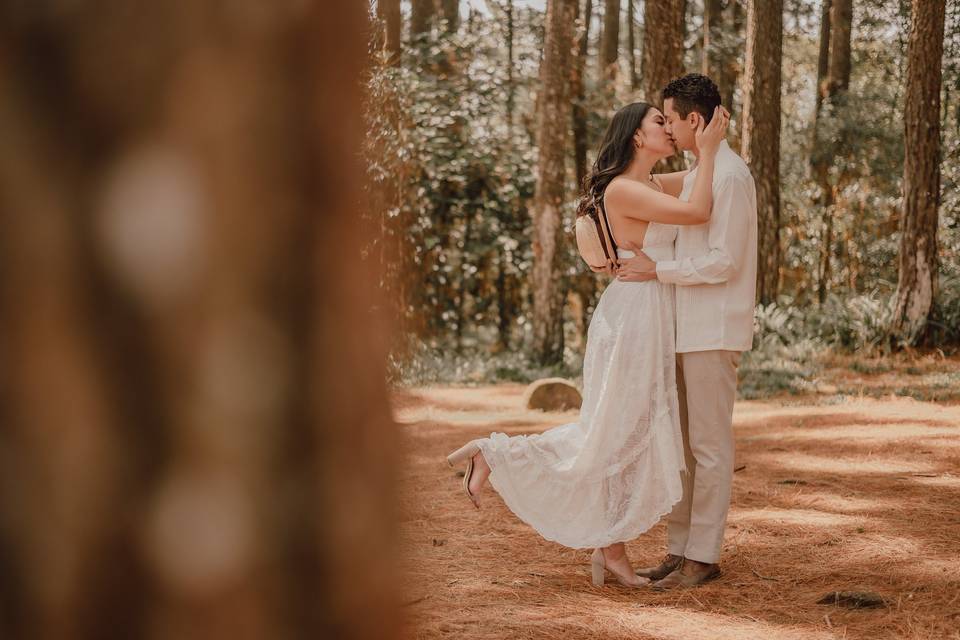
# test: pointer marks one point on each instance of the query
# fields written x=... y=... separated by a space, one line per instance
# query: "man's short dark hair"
x=693 y=92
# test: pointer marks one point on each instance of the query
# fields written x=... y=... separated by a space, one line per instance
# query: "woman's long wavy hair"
x=616 y=152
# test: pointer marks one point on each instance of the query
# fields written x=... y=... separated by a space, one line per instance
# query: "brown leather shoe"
x=690 y=574
x=669 y=563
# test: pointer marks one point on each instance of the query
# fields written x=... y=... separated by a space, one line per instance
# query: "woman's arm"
x=634 y=200
x=672 y=183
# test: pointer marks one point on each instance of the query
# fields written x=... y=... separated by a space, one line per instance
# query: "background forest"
x=478 y=121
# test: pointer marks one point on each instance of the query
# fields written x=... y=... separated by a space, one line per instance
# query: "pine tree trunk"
x=187 y=395
x=421 y=13
x=664 y=29
x=761 y=134
x=451 y=13
x=511 y=84
x=712 y=36
x=579 y=108
x=735 y=40
x=917 y=285
x=610 y=38
x=836 y=83
x=394 y=24
x=841 y=26
x=823 y=60
x=388 y=15
x=632 y=45
x=550 y=192
x=720 y=48
x=664 y=24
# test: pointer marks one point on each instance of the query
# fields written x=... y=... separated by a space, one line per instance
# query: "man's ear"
x=694 y=119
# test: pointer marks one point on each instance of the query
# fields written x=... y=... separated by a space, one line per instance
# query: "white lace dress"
x=615 y=472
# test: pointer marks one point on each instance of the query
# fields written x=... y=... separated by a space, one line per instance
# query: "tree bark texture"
x=664 y=23
x=823 y=58
x=554 y=107
x=917 y=283
x=632 y=44
x=721 y=48
x=761 y=134
x=393 y=27
x=610 y=38
x=421 y=13
x=664 y=28
x=196 y=436
x=451 y=13
x=834 y=86
x=579 y=108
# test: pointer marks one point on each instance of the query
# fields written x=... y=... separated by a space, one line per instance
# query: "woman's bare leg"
x=615 y=557
x=481 y=471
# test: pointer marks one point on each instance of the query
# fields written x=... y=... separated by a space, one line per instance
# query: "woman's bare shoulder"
x=623 y=189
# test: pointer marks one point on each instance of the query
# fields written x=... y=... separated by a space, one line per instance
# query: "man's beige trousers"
x=707 y=387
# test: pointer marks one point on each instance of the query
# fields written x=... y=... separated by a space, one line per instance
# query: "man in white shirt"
x=715 y=270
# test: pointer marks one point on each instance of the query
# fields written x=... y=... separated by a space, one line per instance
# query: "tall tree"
x=421 y=13
x=212 y=389
x=610 y=38
x=388 y=13
x=583 y=285
x=664 y=29
x=579 y=106
x=761 y=133
x=918 y=283
x=511 y=84
x=451 y=13
x=548 y=236
x=833 y=93
x=632 y=45
x=722 y=23
x=823 y=60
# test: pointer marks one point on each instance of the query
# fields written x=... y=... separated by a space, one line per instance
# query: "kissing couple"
x=654 y=437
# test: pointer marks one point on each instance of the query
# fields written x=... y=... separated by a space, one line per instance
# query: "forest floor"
x=836 y=493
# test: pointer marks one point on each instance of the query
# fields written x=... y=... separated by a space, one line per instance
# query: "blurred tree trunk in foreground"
x=761 y=134
x=917 y=283
x=196 y=438
x=552 y=134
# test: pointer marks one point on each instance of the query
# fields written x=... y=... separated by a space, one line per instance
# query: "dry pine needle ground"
x=855 y=495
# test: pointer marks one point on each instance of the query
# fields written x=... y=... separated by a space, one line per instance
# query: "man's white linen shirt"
x=715 y=264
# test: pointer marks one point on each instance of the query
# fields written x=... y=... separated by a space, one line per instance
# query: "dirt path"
x=859 y=495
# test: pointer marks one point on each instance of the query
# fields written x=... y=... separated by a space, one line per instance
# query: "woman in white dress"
x=612 y=475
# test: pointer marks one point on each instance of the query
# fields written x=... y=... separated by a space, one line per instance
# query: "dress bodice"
x=657 y=242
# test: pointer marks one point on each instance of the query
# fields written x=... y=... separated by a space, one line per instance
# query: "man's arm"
x=733 y=201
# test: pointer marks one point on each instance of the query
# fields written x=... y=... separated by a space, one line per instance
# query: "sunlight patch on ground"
x=825 y=464
x=853 y=431
x=799 y=517
x=670 y=623
x=945 y=480
x=843 y=504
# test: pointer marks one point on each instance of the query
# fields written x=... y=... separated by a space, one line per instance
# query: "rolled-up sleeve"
x=727 y=239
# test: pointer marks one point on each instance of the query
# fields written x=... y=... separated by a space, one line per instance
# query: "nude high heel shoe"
x=598 y=567
x=466 y=452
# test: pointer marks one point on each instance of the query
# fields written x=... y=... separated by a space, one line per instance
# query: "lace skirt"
x=615 y=472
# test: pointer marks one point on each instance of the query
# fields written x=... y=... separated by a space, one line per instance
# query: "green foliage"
x=452 y=180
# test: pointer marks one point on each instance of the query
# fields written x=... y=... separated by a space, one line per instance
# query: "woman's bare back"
x=629 y=233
